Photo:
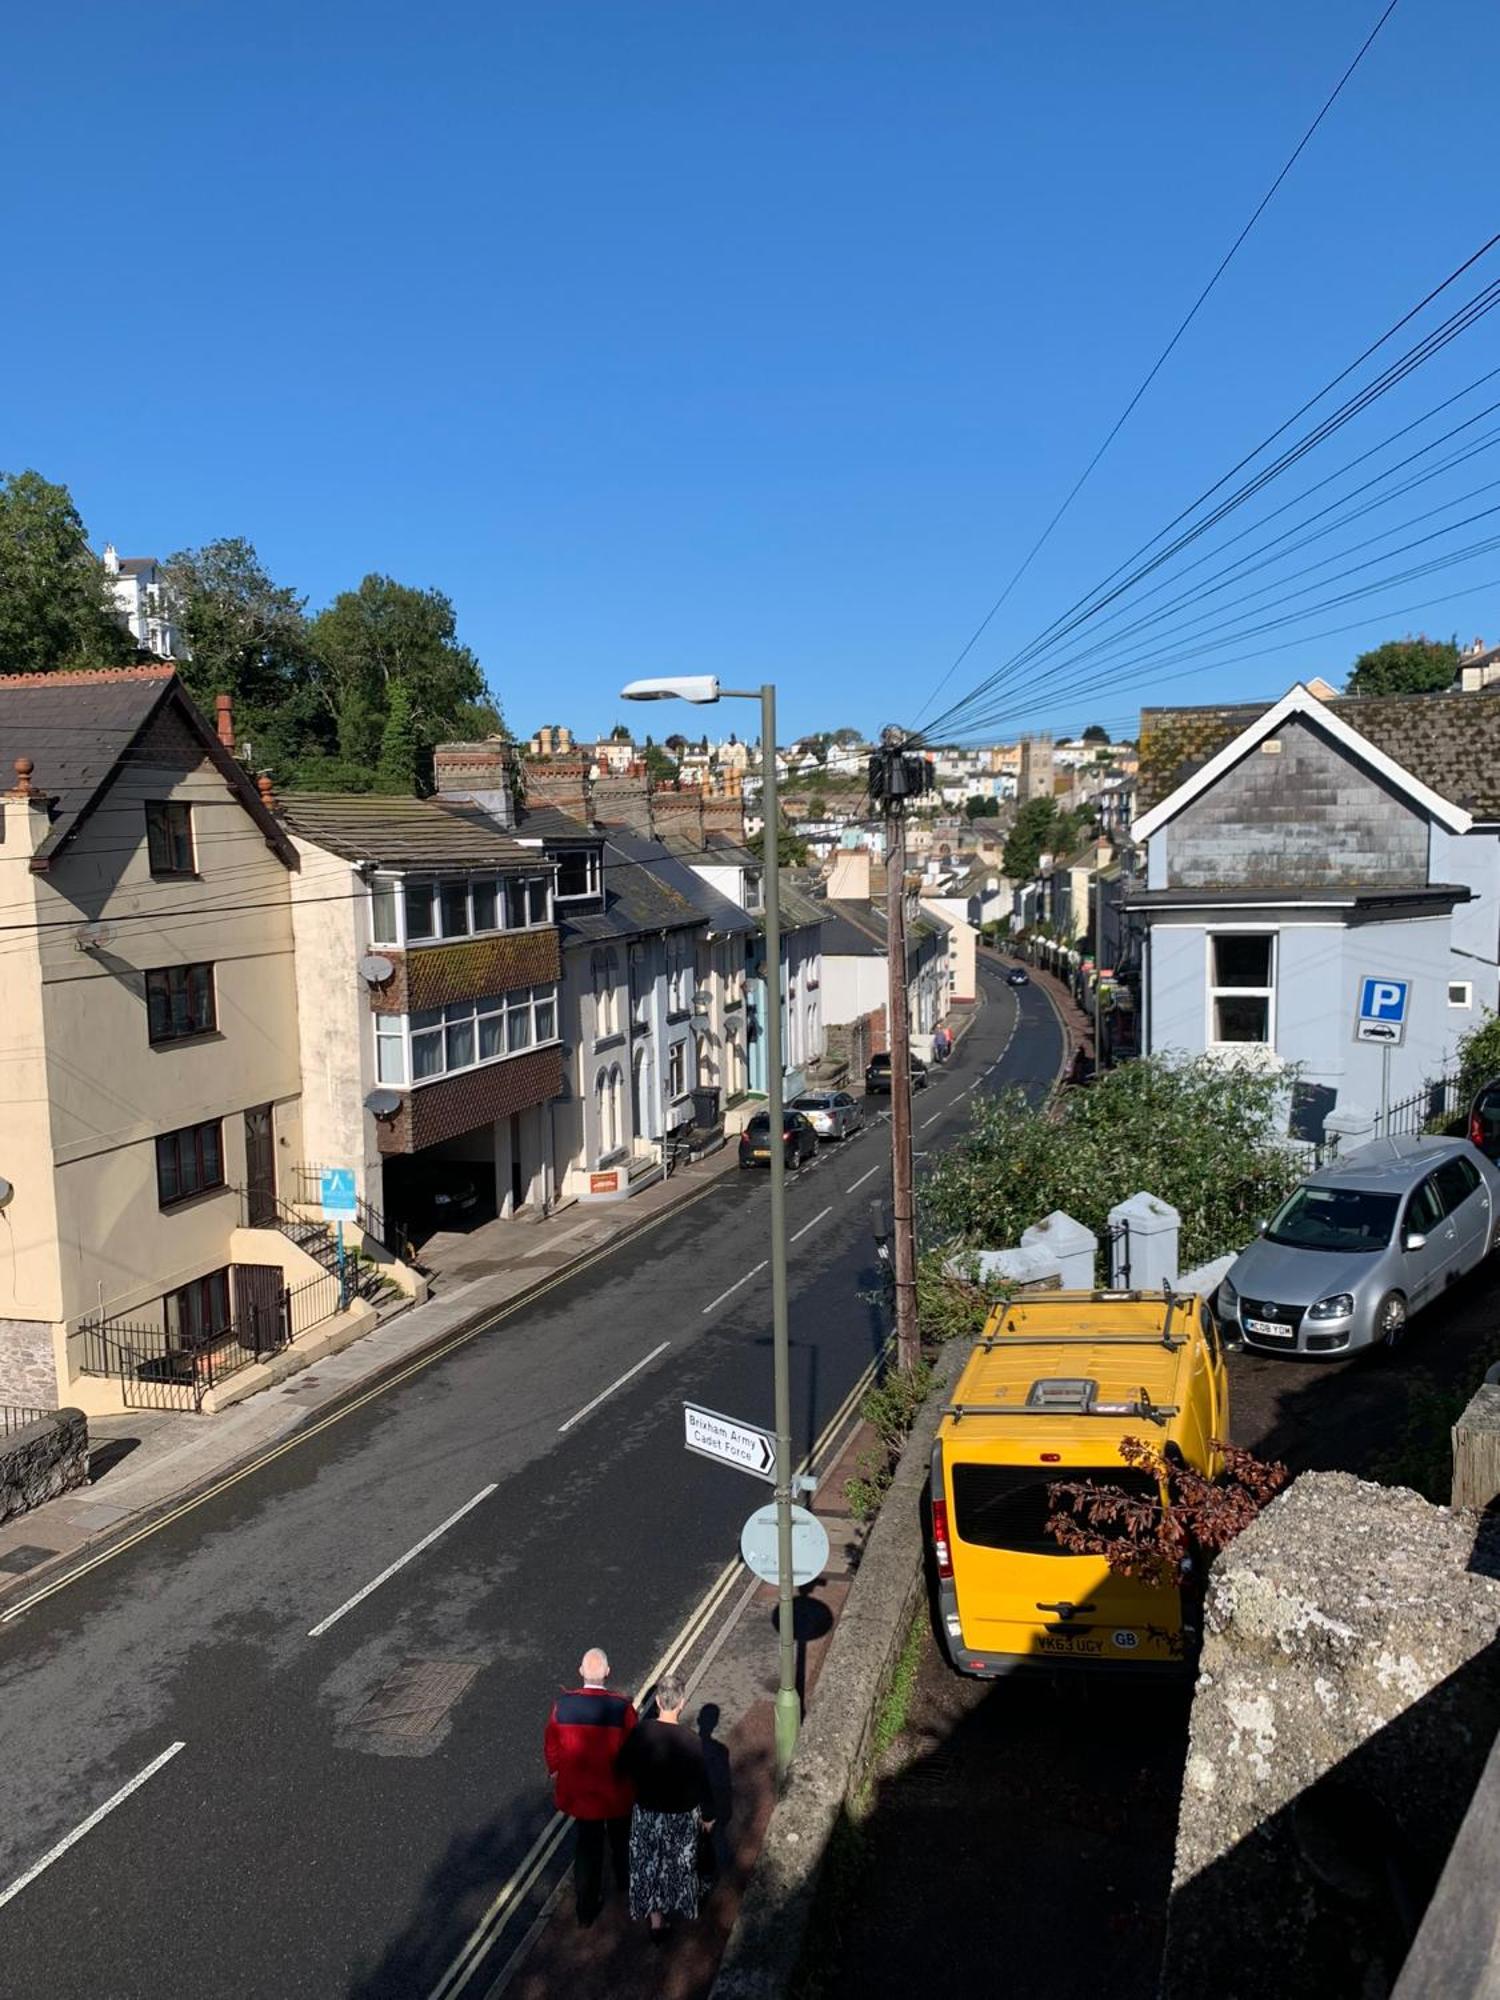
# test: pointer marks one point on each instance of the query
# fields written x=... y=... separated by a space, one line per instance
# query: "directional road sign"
x=758 y=1545
x=1383 y=1005
x=712 y=1435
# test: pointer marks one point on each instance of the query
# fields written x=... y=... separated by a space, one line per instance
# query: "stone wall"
x=1348 y=1695
x=28 y=1371
x=42 y=1460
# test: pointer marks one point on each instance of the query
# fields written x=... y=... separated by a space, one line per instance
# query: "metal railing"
x=309 y=1304
x=372 y=1221
x=1438 y=1103
x=159 y=1370
x=16 y=1417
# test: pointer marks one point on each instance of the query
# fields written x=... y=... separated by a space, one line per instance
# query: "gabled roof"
x=403 y=832
x=78 y=728
x=724 y=917
x=1425 y=729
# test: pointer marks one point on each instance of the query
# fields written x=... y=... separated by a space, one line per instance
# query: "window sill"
x=614 y=1041
x=182 y=1201
x=181 y=1041
x=176 y=875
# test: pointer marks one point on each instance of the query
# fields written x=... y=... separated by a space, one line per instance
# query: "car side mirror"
x=1415 y=1240
x=1261 y=1228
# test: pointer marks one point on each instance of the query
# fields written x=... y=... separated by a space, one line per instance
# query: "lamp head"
x=673 y=687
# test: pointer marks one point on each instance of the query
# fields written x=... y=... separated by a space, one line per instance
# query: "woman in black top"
x=673 y=1799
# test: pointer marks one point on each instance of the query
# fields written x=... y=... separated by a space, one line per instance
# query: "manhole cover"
x=415 y=1701
x=24 y=1557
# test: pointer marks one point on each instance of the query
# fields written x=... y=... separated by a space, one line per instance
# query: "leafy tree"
x=619 y=734
x=661 y=768
x=1096 y=733
x=847 y=738
x=383 y=635
x=791 y=849
x=1405 y=666
x=54 y=604
x=247 y=636
x=400 y=743
x=1478 y=1057
x=982 y=807
x=1033 y=833
x=677 y=745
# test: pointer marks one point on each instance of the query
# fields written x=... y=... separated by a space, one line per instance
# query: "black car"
x=1484 y=1120
x=878 y=1074
x=798 y=1138
x=1018 y=976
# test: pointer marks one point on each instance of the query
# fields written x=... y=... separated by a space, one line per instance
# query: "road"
x=282 y=1840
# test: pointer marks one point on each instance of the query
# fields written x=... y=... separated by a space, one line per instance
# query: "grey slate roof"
x=403 y=833
x=552 y=823
x=77 y=727
x=725 y=918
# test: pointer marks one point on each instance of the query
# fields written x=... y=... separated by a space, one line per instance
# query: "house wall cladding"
x=1306 y=817
x=28 y=1371
x=436 y=973
x=456 y=1104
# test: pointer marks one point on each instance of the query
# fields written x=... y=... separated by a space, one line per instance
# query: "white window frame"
x=1465 y=987
x=527 y=1007
x=592 y=893
x=677 y=1070
x=535 y=891
x=1214 y=993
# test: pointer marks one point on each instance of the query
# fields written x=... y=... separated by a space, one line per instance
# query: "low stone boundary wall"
x=833 y=1750
x=42 y=1460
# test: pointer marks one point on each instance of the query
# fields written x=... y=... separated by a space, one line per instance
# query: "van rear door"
x=1022 y=1597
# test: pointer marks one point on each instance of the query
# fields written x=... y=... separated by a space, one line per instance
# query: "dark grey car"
x=1362 y=1245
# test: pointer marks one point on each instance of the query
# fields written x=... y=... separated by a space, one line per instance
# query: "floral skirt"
x=663 y=1863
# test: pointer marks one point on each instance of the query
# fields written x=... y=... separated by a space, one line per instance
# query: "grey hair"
x=670 y=1693
x=594 y=1666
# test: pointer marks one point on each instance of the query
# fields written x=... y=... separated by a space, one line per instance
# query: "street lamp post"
x=704 y=688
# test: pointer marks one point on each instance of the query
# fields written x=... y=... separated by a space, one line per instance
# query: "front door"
x=260 y=1168
x=259 y=1307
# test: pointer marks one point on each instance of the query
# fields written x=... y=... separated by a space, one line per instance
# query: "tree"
x=677 y=745
x=619 y=734
x=847 y=739
x=1096 y=733
x=791 y=849
x=400 y=743
x=1405 y=666
x=247 y=636
x=383 y=635
x=659 y=766
x=54 y=603
x=982 y=807
x=1033 y=833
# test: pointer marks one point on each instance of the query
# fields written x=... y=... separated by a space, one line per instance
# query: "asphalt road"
x=295 y=1844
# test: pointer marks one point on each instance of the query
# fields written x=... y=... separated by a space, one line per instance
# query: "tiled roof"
x=1449 y=742
x=77 y=727
x=724 y=917
x=402 y=832
x=552 y=823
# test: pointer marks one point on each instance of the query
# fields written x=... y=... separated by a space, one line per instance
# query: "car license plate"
x=1270 y=1329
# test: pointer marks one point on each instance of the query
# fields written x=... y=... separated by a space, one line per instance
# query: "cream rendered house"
x=148 y=1039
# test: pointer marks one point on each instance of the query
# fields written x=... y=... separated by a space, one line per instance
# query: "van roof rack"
x=1171 y=1341
x=1154 y=1413
x=1162 y=1339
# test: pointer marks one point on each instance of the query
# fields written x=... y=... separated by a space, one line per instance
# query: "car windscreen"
x=809 y=1104
x=759 y=1125
x=1009 y=1506
x=1335 y=1218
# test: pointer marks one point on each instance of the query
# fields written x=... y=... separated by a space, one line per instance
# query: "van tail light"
x=940 y=1547
x=1476 y=1130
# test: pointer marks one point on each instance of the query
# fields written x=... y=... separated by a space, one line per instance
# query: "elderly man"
x=585 y=1734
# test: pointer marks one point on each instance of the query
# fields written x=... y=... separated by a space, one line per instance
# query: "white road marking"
x=931 y=1121
x=736 y=1285
x=864 y=1177
x=400 y=1563
x=619 y=1383
x=810 y=1225
x=87 y=1826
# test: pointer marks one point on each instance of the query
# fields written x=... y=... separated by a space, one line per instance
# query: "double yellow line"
x=543 y=1850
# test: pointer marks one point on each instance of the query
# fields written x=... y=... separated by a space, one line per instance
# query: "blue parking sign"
x=1384 y=1000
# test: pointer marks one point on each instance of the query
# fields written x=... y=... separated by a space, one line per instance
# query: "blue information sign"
x=1382 y=1010
x=339 y=1201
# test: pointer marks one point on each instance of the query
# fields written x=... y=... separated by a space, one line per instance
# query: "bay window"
x=414 y=910
x=466 y=1034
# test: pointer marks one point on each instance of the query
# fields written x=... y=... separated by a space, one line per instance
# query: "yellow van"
x=1054 y=1384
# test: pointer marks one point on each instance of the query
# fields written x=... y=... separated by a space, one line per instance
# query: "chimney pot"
x=224 y=719
x=24 y=768
x=267 y=791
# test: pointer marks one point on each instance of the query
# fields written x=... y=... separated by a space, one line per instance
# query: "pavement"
x=283 y=1738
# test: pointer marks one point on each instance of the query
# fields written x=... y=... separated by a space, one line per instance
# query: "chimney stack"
x=482 y=773
x=224 y=720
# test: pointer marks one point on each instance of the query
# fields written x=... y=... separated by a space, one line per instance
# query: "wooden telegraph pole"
x=895 y=776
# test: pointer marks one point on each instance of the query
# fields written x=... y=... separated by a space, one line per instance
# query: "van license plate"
x=1270 y=1329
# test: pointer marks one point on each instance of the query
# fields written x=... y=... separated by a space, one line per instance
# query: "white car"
x=833 y=1114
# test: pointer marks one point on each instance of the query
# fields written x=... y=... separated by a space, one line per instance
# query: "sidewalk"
x=144 y=1461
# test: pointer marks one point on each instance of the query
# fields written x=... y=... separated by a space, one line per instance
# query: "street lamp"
x=703 y=689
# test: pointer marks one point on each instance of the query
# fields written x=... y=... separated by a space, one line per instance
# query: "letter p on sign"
x=1383 y=1000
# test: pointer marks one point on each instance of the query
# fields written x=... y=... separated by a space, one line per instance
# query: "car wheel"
x=1390 y=1321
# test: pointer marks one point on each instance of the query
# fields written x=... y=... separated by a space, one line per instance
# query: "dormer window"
x=579 y=875
x=410 y=910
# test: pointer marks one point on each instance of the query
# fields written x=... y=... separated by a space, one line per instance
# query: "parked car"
x=1018 y=976
x=878 y=1074
x=1484 y=1119
x=833 y=1114
x=1361 y=1245
x=798 y=1138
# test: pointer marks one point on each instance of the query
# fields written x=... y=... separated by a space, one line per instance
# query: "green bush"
x=891 y=1409
x=1478 y=1057
x=1196 y=1132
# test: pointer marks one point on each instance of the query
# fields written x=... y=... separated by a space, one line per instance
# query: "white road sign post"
x=1383 y=1006
x=746 y=1446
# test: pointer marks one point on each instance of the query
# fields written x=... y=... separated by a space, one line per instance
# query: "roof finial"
x=24 y=768
x=267 y=791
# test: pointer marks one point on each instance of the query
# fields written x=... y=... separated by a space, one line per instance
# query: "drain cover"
x=24 y=1557
x=414 y=1702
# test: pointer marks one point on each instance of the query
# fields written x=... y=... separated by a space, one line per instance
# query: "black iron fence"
x=372 y=1221
x=1440 y=1102
x=16 y=1416
x=309 y=1304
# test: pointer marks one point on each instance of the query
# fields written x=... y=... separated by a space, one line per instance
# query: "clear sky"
x=750 y=339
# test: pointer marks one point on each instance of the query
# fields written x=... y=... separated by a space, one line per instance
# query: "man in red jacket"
x=585 y=1732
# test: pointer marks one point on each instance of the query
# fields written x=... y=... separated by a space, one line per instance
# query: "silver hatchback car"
x=833 y=1114
x=1363 y=1244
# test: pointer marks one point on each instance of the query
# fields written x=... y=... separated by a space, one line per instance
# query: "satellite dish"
x=375 y=970
x=91 y=937
x=6 y=1191
x=383 y=1103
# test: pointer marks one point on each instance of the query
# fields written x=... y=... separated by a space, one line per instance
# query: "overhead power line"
x=1156 y=367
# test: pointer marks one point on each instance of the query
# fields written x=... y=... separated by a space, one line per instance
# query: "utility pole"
x=896 y=775
x=1098 y=961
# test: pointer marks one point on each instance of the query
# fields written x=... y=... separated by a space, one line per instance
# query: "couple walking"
x=641 y=1788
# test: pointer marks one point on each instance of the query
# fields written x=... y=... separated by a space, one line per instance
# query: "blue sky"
x=674 y=337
